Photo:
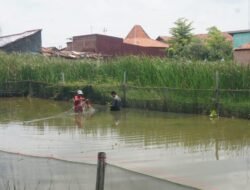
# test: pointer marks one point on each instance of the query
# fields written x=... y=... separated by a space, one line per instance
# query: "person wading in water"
x=79 y=101
x=116 y=102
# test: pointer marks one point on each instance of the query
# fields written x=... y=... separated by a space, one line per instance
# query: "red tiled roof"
x=137 y=36
x=243 y=47
x=200 y=36
x=144 y=42
x=205 y=36
x=163 y=38
x=137 y=32
x=228 y=36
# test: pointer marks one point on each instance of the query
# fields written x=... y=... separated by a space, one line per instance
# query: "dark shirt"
x=116 y=103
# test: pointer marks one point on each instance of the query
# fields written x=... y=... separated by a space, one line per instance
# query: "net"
x=29 y=173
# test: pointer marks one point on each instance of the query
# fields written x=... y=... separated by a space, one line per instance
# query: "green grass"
x=141 y=71
x=185 y=80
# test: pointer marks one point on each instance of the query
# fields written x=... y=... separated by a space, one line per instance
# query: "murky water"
x=188 y=149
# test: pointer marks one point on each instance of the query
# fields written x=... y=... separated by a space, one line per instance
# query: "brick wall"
x=112 y=46
x=129 y=49
x=84 y=43
x=242 y=56
x=109 y=45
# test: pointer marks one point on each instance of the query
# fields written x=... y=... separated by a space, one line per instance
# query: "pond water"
x=188 y=149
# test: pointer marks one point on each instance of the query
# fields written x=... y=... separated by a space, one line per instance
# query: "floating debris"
x=54 y=52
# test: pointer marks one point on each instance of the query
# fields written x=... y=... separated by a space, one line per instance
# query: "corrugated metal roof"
x=238 y=32
x=4 y=40
x=88 y=35
x=137 y=36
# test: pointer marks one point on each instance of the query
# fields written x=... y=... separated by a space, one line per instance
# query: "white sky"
x=61 y=19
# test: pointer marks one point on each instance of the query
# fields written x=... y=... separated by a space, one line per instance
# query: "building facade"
x=242 y=54
x=140 y=44
x=240 y=37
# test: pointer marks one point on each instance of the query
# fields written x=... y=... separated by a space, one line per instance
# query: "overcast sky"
x=62 y=19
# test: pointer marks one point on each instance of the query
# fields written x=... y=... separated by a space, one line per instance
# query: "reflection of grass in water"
x=8 y=185
x=11 y=186
x=23 y=109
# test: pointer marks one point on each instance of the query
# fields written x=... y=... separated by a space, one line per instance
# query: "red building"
x=96 y=43
x=137 y=42
x=242 y=54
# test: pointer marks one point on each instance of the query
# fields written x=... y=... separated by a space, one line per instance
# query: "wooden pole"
x=63 y=79
x=30 y=89
x=217 y=93
x=100 y=171
x=124 y=88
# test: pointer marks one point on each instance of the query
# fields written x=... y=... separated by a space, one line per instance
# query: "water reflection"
x=116 y=117
x=25 y=109
x=149 y=129
x=176 y=143
x=79 y=120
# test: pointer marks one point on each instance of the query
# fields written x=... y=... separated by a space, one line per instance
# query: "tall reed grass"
x=141 y=71
x=189 y=86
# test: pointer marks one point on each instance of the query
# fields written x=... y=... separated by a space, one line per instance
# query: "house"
x=29 y=41
x=241 y=45
x=96 y=43
x=240 y=41
x=240 y=37
x=242 y=54
x=137 y=42
x=163 y=39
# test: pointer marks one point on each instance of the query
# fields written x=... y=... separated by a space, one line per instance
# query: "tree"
x=218 y=46
x=197 y=49
x=184 y=44
x=181 y=37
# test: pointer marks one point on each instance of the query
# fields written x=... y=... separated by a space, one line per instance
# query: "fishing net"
x=28 y=173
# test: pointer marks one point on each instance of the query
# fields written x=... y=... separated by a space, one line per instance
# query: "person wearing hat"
x=79 y=101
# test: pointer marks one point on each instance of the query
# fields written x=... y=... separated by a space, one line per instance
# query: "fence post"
x=217 y=93
x=63 y=78
x=124 y=89
x=100 y=170
x=30 y=88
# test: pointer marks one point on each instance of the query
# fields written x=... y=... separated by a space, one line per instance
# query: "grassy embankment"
x=154 y=83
